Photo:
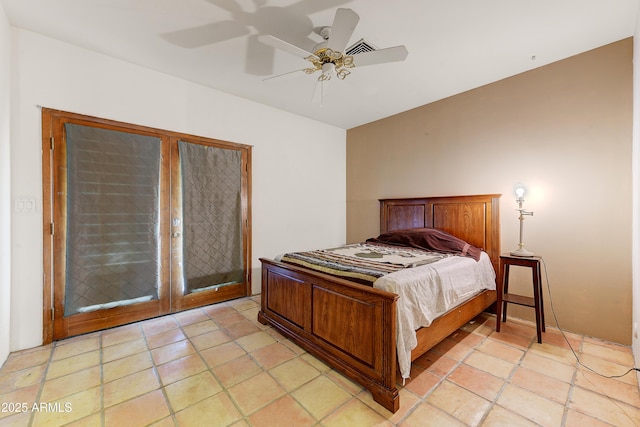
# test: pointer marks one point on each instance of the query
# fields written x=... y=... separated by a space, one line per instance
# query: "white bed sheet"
x=429 y=291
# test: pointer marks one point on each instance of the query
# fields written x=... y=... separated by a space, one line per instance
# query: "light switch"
x=25 y=206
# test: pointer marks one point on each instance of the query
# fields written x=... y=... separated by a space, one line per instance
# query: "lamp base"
x=521 y=251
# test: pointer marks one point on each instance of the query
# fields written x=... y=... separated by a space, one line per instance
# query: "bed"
x=353 y=327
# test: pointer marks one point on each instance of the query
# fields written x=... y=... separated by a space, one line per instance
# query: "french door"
x=139 y=222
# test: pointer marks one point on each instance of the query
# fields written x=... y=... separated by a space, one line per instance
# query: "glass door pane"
x=113 y=205
x=212 y=244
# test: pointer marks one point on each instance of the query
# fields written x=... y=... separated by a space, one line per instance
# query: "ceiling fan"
x=329 y=57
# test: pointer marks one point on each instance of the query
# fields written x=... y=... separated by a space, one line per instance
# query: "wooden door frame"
x=50 y=119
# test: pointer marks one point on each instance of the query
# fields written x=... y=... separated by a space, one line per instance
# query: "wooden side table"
x=503 y=296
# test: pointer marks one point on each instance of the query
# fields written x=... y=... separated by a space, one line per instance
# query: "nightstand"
x=504 y=297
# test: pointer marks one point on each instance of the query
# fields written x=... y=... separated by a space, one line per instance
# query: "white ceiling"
x=454 y=45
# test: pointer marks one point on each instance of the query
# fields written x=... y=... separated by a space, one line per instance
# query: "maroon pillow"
x=430 y=239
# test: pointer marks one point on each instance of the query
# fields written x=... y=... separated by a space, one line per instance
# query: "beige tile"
x=320 y=396
x=408 y=401
x=500 y=417
x=71 y=408
x=501 y=351
x=90 y=421
x=243 y=304
x=236 y=370
x=70 y=384
x=255 y=341
x=497 y=367
x=72 y=364
x=22 y=378
x=614 y=353
x=165 y=337
x=125 y=366
x=576 y=419
x=256 y=392
x=294 y=373
x=63 y=350
x=272 y=355
x=343 y=382
x=314 y=361
x=195 y=329
x=181 y=368
x=15 y=419
x=542 y=385
x=511 y=339
x=519 y=327
x=222 y=353
x=171 y=352
x=27 y=359
x=611 y=387
x=160 y=324
x=606 y=368
x=142 y=410
x=123 y=349
x=355 y=413
x=192 y=390
x=121 y=334
x=200 y=413
x=210 y=339
x=241 y=329
x=215 y=311
x=190 y=317
x=284 y=412
x=421 y=381
x=531 y=406
x=251 y=313
x=17 y=400
x=477 y=381
x=603 y=408
x=562 y=339
x=549 y=367
x=436 y=363
x=467 y=338
x=452 y=349
x=130 y=386
x=229 y=319
x=553 y=352
x=426 y=415
x=462 y=404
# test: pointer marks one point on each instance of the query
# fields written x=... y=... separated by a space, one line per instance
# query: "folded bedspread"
x=362 y=262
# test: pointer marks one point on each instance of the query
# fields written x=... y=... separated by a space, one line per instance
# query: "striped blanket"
x=362 y=262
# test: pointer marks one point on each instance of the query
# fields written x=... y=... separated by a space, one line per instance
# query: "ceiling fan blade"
x=390 y=54
x=344 y=23
x=286 y=46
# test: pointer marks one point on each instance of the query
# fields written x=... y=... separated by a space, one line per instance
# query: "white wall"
x=636 y=197
x=5 y=188
x=298 y=164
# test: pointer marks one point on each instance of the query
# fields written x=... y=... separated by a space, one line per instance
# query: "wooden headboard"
x=474 y=219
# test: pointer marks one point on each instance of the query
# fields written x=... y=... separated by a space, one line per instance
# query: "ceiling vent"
x=361 y=46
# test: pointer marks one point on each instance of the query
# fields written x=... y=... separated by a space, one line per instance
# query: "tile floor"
x=217 y=366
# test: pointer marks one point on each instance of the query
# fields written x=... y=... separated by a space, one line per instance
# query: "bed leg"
x=262 y=319
x=390 y=400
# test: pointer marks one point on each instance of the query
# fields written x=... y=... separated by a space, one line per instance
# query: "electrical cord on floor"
x=553 y=311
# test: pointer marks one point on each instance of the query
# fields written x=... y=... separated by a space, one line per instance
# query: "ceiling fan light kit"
x=329 y=57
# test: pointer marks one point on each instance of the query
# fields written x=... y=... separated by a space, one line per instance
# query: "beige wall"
x=565 y=130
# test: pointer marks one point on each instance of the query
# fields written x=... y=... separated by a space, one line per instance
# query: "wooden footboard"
x=352 y=327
